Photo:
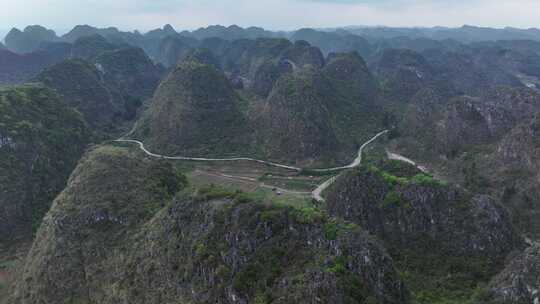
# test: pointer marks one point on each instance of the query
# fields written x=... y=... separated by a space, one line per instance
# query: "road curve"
x=316 y=194
x=358 y=160
x=141 y=146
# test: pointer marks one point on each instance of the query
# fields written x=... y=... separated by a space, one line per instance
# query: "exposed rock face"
x=438 y=216
x=106 y=240
x=519 y=283
x=515 y=172
x=445 y=241
x=195 y=112
x=41 y=139
x=520 y=148
x=296 y=118
x=30 y=39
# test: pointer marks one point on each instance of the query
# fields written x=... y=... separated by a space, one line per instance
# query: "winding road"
x=316 y=194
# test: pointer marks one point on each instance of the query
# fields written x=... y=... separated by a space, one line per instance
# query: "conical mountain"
x=296 y=119
x=81 y=85
x=41 y=139
x=356 y=112
x=195 y=111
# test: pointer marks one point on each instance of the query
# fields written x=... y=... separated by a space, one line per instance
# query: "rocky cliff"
x=435 y=232
x=116 y=234
x=519 y=282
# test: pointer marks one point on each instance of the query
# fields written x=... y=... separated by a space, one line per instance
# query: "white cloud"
x=272 y=14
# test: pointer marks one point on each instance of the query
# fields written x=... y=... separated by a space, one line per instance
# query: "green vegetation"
x=195 y=112
x=437 y=278
x=332 y=228
x=391 y=199
x=418 y=179
x=45 y=138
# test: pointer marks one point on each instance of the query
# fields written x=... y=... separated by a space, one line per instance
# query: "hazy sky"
x=271 y=14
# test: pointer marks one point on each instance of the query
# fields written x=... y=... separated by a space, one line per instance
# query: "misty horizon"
x=280 y=15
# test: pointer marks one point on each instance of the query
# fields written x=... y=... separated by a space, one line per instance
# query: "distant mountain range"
x=466 y=33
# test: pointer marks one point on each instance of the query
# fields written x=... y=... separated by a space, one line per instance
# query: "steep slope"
x=466 y=73
x=513 y=171
x=334 y=42
x=302 y=54
x=172 y=49
x=519 y=283
x=296 y=119
x=18 y=69
x=356 y=110
x=268 y=68
x=267 y=75
x=41 y=139
x=204 y=56
x=30 y=39
x=317 y=115
x=131 y=71
x=488 y=144
x=115 y=235
x=88 y=47
x=452 y=125
x=81 y=85
x=402 y=73
x=445 y=240
x=195 y=112
x=244 y=57
x=80 y=31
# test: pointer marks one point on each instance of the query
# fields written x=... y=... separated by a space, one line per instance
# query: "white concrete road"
x=316 y=194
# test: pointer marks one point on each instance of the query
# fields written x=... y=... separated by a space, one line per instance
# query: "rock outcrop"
x=445 y=240
x=519 y=282
x=114 y=235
